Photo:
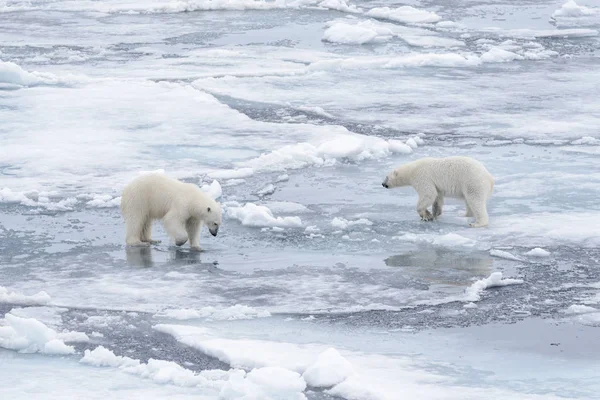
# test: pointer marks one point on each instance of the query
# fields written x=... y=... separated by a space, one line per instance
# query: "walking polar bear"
x=182 y=207
x=434 y=178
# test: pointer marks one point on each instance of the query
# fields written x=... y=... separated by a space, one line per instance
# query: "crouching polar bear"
x=182 y=207
x=457 y=177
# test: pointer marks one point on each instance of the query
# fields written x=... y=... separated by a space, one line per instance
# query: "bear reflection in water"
x=142 y=256
x=441 y=266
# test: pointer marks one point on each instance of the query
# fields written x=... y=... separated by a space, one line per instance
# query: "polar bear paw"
x=477 y=225
x=427 y=216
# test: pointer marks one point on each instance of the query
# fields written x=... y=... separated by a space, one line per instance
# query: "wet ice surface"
x=307 y=128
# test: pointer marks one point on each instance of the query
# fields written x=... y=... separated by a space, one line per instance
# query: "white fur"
x=182 y=207
x=435 y=178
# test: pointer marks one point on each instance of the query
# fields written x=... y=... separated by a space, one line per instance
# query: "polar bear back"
x=452 y=176
x=156 y=194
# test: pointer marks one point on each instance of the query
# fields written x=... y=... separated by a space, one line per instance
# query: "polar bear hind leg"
x=135 y=231
x=147 y=233
x=438 y=205
x=468 y=213
x=478 y=207
x=175 y=228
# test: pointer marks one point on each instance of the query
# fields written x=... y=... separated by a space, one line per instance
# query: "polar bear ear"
x=208 y=209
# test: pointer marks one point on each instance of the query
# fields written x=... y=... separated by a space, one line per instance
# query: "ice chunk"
x=581 y=309
x=260 y=216
x=213 y=190
x=449 y=240
x=73 y=337
x=235 y=312
x=342 y=223
x=349 y=34
x=572 y=9
x=234 y=182
x=404 y=14
x=103 y=201
x=12 y=74
x=329 y=370
x=473 y=292
x=267 y=190
x=587 y=140
x=397 y=146
x=340 y=5
x=538 y=252
x=282 y=178
x=504 y=254
x=21 y=299
x=28 y=335
x=316 y=111
x=158 y=371
x=102 y=357
x=412 y=143
x=498 y=55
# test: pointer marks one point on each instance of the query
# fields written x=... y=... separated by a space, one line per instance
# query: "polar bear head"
x=212 y=217
x=398 y=177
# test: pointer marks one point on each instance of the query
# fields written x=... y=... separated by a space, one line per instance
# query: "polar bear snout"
x=214 y=230
x=385 y=183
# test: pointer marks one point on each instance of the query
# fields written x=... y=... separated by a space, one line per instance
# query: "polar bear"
x=182 y=207
x=458 y=177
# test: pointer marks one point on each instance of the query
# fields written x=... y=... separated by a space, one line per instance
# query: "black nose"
x=384 y=185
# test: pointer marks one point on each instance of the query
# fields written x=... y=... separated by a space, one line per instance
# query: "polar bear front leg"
x=427 y=196
x=192 y=226
x=175 y=226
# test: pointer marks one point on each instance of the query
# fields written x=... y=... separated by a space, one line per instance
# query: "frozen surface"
x=320 y=284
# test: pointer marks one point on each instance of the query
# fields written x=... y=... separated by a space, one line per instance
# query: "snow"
x=404 y=14
x=232 y=313
x=473 y=293
x=28 y=335
x=329 y=370
x=538 y=252
x=7 y=296
x=261 y=216
x=270 y=383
